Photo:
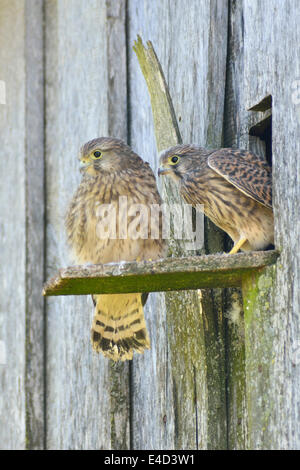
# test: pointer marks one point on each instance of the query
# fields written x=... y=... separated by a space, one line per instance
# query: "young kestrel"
x=234 y=186
x=117 y=180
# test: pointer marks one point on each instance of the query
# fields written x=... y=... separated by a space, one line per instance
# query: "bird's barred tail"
x=119 y=326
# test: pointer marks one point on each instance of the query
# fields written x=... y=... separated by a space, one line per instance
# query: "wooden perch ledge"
x=170 y=274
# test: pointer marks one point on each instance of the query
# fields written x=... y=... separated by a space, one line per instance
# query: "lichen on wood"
x=165 y=122
x=170 y=274
x=260 y=350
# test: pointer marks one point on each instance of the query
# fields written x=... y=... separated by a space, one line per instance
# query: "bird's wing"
x=246 y=172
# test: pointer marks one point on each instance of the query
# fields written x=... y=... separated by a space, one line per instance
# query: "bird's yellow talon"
x=237 y=246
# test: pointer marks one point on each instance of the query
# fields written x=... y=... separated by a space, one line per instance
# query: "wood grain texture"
x=236 y=134
x=119 y=374
x=174 y=396
x=198 y=272
x=22 y=226
x=165 y=121
x=35 y=224
x=260 y=357
x=275 y=68
x=178 y=397
x=265 y=62
x=83 y=88
x=13 y=227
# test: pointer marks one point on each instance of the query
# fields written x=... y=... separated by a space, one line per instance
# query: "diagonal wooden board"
x=170 y=274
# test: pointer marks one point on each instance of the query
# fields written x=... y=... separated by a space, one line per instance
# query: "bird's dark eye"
x=97 y=154
x=173 y=160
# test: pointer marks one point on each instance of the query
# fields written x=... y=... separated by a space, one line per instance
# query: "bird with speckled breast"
x=233 y=186
x=111 y=172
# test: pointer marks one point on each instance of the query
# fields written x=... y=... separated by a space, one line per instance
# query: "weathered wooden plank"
x=264 y=53
x=260 y=339
x=165 y=122
x=87 y=406
x=12 y=227
x=22 y=226
x=161 y=275
x=285 y=377
x=119 y=373
x=34 y=197
x=274 y=39
x=196 y=83
x=237 y=419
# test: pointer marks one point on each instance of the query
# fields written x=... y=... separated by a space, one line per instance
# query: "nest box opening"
x=260 y=133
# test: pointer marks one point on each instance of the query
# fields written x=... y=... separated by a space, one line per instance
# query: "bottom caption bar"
x=136 y=458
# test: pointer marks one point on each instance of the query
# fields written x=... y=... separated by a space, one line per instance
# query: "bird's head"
x=106 y=155
x=175 y=162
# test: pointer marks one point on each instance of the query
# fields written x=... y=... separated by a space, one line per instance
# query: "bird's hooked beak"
x=163 y=171
x=83 y=165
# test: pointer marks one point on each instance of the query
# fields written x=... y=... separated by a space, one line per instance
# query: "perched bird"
x=234 y=186
x=116 y=180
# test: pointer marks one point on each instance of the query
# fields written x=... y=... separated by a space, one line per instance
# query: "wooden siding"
x=213 y=378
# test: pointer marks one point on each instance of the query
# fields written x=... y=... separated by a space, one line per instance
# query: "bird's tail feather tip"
x=123 y=349
x=119 y=327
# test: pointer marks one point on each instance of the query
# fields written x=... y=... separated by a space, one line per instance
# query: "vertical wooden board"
x=117 y=127
x=269 y=64
x=186 y=43
x=235 y=371
x=285 y=378
x=79 y=381
x=117 y=68
x=34 y=385
x=12 y=227
x=151 y=386
x=260 y=339
x=235 y=135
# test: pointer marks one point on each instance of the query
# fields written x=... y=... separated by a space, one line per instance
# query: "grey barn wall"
x=71 y=75
x=280 y=63
x=12 y=434
x=263 y=61
x=22 y=225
